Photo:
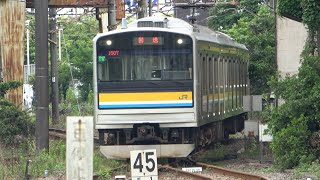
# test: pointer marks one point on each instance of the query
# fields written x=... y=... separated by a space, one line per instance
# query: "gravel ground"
x=252 y=165
x=255 y=167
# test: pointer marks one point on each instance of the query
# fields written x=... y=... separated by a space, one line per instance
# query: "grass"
x=311 y=170
x=54 y=162
x=215 y=153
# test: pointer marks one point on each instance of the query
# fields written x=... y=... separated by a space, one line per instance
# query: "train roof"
x=201 y=33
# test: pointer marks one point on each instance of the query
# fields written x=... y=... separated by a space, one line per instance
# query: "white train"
x=162 y=83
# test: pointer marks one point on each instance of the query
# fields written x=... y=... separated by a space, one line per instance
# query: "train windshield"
x=143 y=56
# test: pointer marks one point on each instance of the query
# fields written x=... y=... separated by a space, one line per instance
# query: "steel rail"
x=62 y=134
x=233 y=173
x=193 y=175
x=58 y=133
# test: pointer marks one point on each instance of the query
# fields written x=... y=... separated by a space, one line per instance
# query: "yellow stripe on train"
x=145 y=96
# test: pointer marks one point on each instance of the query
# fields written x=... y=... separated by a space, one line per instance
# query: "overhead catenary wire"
x=72 y=79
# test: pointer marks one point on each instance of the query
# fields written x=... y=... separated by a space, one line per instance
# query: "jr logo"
x=183 y=97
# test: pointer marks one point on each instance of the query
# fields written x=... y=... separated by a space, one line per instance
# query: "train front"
x=143 y=82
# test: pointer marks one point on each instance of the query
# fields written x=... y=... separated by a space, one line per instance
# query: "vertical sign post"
x=79 y=148
x=144 y=165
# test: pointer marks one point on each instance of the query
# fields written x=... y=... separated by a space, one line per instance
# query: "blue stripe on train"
x=144 y=105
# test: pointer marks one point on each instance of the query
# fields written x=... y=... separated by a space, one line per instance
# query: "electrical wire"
x=72 y=79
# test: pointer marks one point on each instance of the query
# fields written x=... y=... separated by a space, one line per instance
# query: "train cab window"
x=110 y=69
x=136 y=56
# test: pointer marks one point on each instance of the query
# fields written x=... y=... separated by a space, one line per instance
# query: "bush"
x=290 y=144
x=15 y=124
x=293 y=123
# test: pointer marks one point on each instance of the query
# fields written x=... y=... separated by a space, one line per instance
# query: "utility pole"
x=112 y=15
x=12 y=20
x=142 y=8
x=150 y=7
x=41 y=85
x=53 y=60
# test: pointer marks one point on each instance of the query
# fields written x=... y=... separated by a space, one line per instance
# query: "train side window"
x=216 y=91
x=225 y=84
x=222 y=85
x=204 y=86
x=232 y=85
x=236 y=77
x=242 y=83
x=210 y=83
x=238 y=83
x=229 y=84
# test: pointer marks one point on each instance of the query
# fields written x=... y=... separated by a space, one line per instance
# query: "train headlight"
x=108 y=42
x=179 y=41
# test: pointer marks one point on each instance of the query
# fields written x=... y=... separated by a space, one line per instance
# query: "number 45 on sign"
x=144 y=165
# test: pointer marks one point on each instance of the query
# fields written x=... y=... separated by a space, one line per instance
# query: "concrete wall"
x=291 y=38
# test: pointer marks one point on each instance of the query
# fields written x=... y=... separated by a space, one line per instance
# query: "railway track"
x=57 y=133
x=210 y=172
x=61 y=134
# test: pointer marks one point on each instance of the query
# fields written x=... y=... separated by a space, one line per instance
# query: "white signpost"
x=144 y=165
x=79 y=148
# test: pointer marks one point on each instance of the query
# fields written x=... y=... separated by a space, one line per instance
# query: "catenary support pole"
x=54 y=66
x=41 y=85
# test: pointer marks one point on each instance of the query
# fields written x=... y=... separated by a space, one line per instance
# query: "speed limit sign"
x=144 y=165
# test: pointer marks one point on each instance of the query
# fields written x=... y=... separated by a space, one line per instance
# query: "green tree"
x=295 y=123
x=252 y=24
x=77 y=49
x=257 y=33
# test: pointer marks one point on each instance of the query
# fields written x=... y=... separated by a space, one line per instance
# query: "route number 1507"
x=144 y=165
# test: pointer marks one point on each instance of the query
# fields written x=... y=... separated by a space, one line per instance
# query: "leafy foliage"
x=293 y=122
x=297 y=119
x=224 y=16
x=4 y=87
x=290 y=8
x=13 y=121
x=290 y=143
x=257 y=33
x=77 y=51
